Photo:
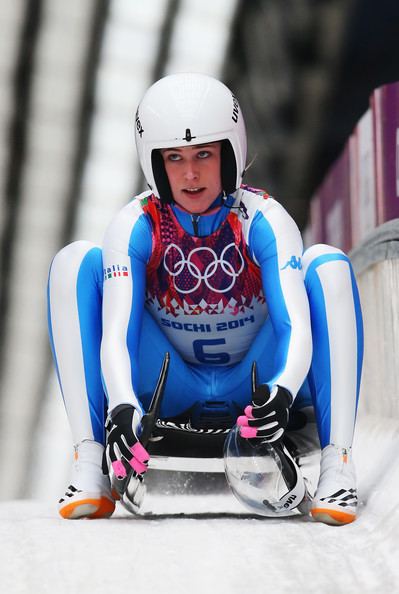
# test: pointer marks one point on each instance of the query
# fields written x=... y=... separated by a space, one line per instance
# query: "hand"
x=125 y=459
x=267 y=416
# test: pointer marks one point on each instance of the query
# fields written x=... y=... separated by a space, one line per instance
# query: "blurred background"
x=71 y=76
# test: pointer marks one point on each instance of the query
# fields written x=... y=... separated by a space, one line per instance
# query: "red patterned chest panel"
x=198 y=275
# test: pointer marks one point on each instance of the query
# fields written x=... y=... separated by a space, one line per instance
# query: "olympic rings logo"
x=216 y=265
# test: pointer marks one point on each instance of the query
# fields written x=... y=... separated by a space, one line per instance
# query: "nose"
x=191 y=171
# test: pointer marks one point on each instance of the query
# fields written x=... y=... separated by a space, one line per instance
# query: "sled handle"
x=253 y=377
x=151 y=417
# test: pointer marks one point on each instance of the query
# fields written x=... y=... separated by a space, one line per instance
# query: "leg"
x=74 y=315
x=234 y=382
x=185 y=385
x=337 y=333
x=334 y=376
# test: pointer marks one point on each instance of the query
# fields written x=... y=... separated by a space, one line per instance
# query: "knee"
x=329 y=262
x=68 y=261
x=319 y=254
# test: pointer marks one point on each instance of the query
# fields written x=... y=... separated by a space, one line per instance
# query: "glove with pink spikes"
x=267 y=416
x=124 y=454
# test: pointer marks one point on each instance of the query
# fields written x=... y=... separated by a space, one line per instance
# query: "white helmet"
x=188 y=109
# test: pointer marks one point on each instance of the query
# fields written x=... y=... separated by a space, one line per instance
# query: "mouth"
x=193 y=191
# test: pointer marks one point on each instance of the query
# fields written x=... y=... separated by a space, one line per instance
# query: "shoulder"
x=251 y=192
x=131 y=218
x=258 y=208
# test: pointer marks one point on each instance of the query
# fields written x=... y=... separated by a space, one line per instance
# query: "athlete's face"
x=194 y=175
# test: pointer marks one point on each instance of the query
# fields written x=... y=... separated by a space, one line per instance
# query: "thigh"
x=235 y=383
x=185 y=385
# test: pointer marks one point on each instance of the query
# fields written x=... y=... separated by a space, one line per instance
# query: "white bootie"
x=89 y=493
x=335 y=500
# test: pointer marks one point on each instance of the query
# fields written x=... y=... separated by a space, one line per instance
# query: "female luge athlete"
x=213 y=272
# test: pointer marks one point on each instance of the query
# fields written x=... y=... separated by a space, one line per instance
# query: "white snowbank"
x=209 y=543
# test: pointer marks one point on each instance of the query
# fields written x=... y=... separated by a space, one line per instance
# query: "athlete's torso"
x=209 y=294
x=205 y=292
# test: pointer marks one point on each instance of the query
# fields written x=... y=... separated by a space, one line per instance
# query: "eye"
x=173 y=157
x=203 y=154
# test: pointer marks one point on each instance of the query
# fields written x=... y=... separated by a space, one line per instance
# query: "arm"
x=127 y=244
x=276 y=246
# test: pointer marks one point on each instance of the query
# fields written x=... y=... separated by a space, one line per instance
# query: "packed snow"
x=207 y=542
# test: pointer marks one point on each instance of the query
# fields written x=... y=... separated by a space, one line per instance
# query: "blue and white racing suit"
x=238 y=290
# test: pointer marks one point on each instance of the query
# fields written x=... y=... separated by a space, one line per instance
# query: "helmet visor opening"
x=228 y=172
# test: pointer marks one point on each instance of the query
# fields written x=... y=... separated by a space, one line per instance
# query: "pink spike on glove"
x=139 y=459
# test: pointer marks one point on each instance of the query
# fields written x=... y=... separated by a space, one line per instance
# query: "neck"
x=216 y=204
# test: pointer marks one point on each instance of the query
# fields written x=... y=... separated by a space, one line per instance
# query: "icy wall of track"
x=376 y=263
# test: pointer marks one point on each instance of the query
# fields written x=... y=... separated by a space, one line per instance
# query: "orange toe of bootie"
x=85 y=505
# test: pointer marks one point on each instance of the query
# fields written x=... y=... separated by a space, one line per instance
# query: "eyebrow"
x=196 y=146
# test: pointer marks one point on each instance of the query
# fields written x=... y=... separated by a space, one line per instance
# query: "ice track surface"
x=208 y=543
